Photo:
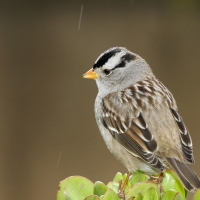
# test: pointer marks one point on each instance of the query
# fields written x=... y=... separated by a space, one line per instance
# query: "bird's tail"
x=186 y=175
x=189 y=179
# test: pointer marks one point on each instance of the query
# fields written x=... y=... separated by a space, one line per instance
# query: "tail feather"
x=186 y=175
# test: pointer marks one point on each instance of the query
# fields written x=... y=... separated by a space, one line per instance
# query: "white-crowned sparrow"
x=138 y=117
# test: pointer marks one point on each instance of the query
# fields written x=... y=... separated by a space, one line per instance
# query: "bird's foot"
x=157 y=180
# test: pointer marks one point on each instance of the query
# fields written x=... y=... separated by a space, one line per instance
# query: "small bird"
x=138 y=117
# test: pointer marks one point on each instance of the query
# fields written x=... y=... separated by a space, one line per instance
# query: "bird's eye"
x=107 y=72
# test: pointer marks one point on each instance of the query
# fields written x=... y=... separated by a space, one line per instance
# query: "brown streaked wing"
x=185 y=138
x=133 y=134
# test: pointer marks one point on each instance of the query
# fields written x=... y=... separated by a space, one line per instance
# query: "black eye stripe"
x=125 y=58
x=105 y=57
x=121 y=64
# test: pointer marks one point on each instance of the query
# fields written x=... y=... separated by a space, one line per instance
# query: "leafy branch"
x=139 y=187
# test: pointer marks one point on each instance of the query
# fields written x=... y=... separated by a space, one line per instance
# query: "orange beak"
x=90 y=74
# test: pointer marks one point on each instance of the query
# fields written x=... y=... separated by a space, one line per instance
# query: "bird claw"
x=157 y=180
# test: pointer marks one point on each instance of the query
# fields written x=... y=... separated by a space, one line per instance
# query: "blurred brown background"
x=48 y=130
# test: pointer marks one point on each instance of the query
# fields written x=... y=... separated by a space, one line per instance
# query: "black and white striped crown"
x=124 y=57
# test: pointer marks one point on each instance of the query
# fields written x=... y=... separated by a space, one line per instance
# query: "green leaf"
x=99 y=188
x=110 y=195
x=151 y=194
x=171 y=181
x=138 y=176
x=172 y=195
x=142 y=187
x=177 y=197
x=197 y=195
x=124 y=177
x=186 y=193
x=127 y=184
x=132 y=198
x=118 y=177
x=113 y=186
x=139 y=197
x=64 y=196
x=75 y=187
x=92 y=197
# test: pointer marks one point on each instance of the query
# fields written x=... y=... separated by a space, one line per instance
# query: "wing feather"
x=185 y=138
x=133 y=134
